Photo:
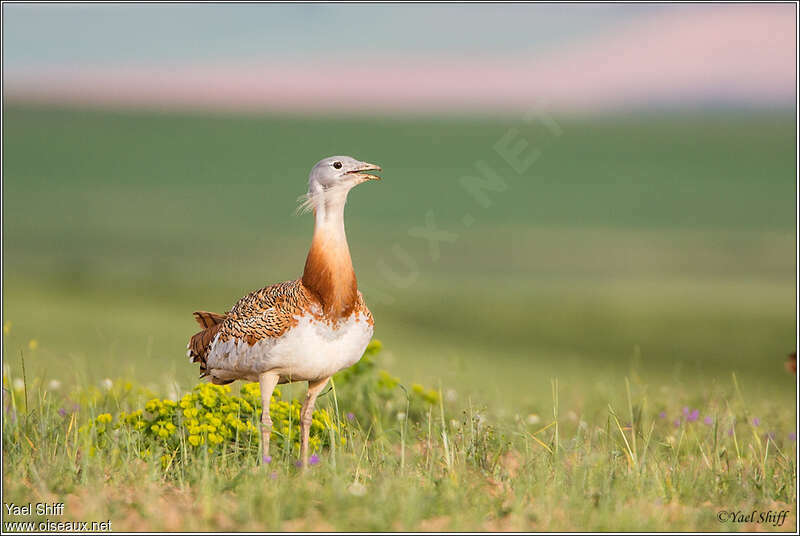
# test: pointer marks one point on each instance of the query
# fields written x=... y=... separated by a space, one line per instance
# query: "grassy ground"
x=651 y=255
x=416 y=460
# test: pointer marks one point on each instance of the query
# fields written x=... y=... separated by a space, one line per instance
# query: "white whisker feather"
x=311 y=201
x=306 y=204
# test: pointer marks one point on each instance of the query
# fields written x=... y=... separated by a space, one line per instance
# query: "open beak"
x=363 y=168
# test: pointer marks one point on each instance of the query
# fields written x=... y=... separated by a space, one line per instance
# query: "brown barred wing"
x=206 y=319
x=267 y=312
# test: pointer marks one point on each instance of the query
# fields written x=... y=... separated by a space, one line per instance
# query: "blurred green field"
x=603 y=340
x=654 y=246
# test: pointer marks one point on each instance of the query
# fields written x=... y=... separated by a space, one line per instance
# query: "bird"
x=304 y=330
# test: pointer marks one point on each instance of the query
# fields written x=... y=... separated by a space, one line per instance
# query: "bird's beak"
x=365 y=166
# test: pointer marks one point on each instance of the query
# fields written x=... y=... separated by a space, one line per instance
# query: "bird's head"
x=340 y=171
x=331 y=178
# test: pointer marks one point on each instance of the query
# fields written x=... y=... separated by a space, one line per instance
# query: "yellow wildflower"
x=104 y=418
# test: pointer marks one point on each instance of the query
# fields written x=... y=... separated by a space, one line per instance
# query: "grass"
x=641 y=262
x=428 y=462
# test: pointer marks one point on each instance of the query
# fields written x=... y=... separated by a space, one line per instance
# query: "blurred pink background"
x=707 y=55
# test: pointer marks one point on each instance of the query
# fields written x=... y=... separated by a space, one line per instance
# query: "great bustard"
x=301 y=330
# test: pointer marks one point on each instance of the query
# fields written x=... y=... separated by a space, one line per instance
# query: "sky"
x=400 y=58
x=44 y=35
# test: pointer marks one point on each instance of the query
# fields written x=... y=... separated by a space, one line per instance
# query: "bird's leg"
x=267 y=381
x=314 y=387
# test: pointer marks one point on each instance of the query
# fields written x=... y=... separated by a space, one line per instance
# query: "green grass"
x=404 y=459
x=655 y=248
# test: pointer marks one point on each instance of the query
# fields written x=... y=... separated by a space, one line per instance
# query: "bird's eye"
x=337 y=165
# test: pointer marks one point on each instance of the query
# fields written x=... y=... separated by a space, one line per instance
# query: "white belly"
x=311 y=350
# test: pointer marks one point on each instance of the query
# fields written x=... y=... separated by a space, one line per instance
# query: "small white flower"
x=18 y=384
x=450 y=395
x=173 y=392
x=107 y=384
x=357 y=488
x=533 y=419
x=53 y=385
x=401 y=416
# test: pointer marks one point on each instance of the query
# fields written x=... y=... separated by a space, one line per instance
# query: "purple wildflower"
x=9 y=408
x=730 y=431
x=274 y=475
x=62 y=412
x=350 y=416
x=693 y=416
x=756 y=421
x=266 y=458
x=792 y=436
x=677 y=423
x=298 y=463
x=314 y=460
x=662 y=415
x=709 y=421
x=685 y=411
